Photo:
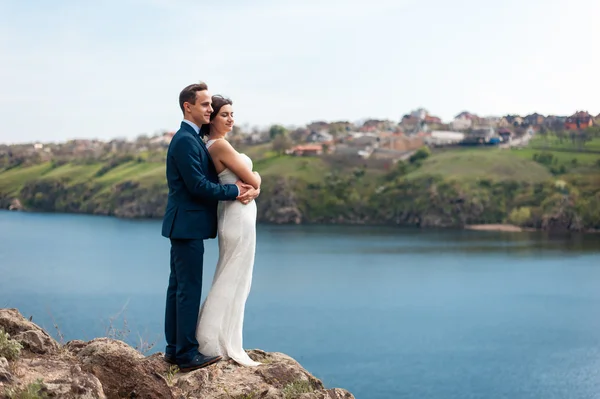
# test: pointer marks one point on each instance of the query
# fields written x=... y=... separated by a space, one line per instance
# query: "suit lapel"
x=211 y=162
x=190 y=129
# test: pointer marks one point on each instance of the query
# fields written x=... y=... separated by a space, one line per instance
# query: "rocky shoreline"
x=33 y=363
x=425 y=203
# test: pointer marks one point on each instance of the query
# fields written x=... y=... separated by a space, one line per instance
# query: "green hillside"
x=493 y=164
x=528 y=187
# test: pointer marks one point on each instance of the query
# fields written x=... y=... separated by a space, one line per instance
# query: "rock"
x=61 y=378
x=335 y=393
x=13 y=322
x=108 y=368
x=15 y=205
x=123 y=371
x=5 y=375
x=77 y=384
x=277 y=375
x=37 y=341
x=33 y=338
x=75 y=346
x=561 y=215
x=279 y=205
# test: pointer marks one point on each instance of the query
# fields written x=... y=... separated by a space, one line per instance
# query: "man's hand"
x=243 y=187
x=249 y=195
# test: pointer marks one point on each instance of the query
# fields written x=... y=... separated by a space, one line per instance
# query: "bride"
x=221 y=319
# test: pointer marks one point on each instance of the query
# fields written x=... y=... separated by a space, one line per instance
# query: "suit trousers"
x=183 y=298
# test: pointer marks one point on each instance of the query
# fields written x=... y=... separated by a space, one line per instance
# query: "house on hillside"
x=579 y=120
x=410 y=124
x=419 y=120
x=164 y=138
x=320 y=136
x=349 y=151
x=306 y=150
x=358 y=144
x=512 y=120
x=363 y=140
x=441 y=138
x=555 y=122
x=399 y=142
x=432 y=120
x=492 y=121
x=377 y=125
x=318 y=126
x=257 y=138
x=535 y=119
x=463 y=121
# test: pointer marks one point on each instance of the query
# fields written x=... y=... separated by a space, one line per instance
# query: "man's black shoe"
x=199 y=361
x=170 y=359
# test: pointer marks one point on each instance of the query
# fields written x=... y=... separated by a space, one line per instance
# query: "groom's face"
x=202 y=109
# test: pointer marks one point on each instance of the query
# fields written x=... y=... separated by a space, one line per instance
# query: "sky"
x=114 y=68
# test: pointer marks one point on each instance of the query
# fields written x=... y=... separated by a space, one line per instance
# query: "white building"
x=462 y=122
x=439 y=137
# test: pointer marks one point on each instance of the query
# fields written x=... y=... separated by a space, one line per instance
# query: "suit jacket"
x=194 y=191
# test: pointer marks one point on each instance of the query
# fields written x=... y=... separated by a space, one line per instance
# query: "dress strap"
x=210 y=142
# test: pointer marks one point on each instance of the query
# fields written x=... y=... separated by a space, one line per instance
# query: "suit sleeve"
x=186 y=155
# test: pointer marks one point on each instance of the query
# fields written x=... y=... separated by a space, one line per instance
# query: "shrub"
x=520 y=216
x=35 y=390
x=297 y=388
x=9 y=348
x=422 y=153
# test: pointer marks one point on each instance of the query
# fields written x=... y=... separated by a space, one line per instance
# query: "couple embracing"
x=211 y=189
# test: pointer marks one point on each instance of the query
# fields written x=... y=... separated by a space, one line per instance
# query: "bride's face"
x=223 y=122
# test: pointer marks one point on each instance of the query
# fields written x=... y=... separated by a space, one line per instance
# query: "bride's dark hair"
x=217 y=103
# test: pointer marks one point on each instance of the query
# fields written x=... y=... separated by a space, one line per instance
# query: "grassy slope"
x=12 y=180
x=464 y=164
x=493 y=164
x=307 y=168
x=566 y=158
x=150 y=173
x=552 y=141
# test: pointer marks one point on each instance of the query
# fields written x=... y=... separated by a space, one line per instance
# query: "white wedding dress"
x=221 y=319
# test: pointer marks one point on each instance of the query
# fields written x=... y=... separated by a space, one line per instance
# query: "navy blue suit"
x=190 y=217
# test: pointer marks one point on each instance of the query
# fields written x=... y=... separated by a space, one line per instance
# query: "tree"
x=281 y=143
x=561 y=135
x=277 y=130
x=421 y=154
x=593 y=131
x=583 y=136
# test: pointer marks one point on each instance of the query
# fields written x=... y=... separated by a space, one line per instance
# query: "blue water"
x=384 y=313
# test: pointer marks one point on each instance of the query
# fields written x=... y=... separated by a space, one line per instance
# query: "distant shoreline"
x=492 y=227
x=511 y=228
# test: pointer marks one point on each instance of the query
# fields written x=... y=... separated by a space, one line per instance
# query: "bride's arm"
x=228 y=156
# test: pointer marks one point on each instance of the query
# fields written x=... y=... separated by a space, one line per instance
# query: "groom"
x=190 y=218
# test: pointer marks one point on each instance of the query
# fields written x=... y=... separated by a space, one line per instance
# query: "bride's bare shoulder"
x=221 y=146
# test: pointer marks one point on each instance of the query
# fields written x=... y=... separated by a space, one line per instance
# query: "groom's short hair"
x=188 y=94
